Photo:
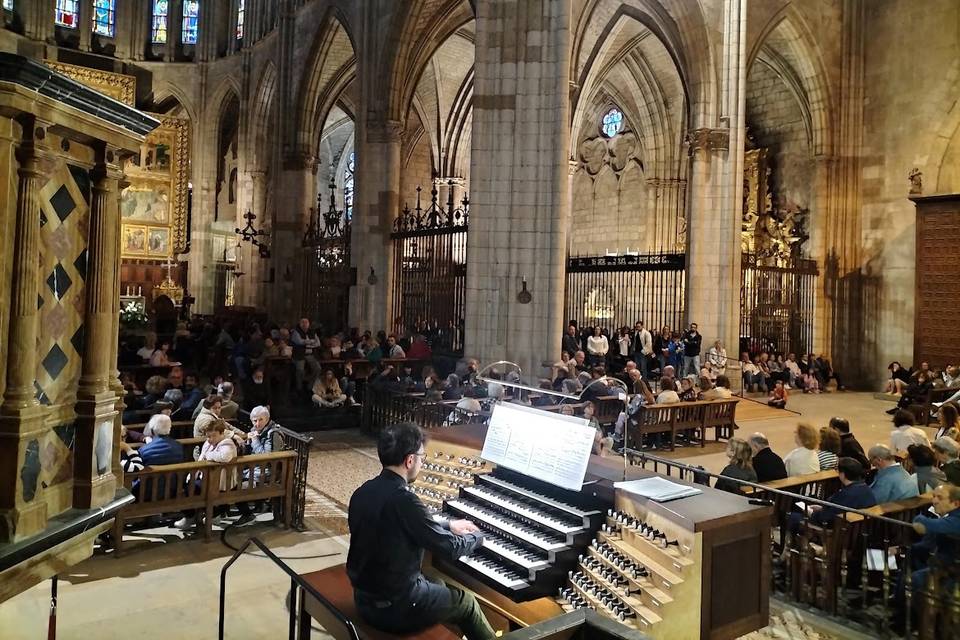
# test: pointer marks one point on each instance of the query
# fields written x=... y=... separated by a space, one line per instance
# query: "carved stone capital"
x=384 y=131
x=708 y=140
x=299 y=160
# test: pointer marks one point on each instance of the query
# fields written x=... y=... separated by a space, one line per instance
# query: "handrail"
x=807 y=499
x=296 y=582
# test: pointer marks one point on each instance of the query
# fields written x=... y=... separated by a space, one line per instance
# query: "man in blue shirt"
x=892 y=481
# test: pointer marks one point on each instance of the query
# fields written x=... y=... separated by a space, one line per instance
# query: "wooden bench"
x=334 y=586
x=923 y=410
x=174 y=488
x=720 y=415
x=821 y=485
x=188 y=445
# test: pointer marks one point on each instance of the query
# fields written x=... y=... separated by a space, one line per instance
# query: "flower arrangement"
x=133 y=316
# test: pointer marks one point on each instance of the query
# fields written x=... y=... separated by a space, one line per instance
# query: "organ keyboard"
x=691 y=568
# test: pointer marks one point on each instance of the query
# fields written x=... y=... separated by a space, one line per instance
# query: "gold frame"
x=125 y=230
x=120 y=87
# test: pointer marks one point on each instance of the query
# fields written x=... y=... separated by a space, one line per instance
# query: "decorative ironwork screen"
x=430 y=269
x=326 y=272
x=618 y=290
x=777 y=304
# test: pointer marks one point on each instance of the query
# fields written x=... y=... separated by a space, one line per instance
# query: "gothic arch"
x=264 y=107
x=331 y=67
x=167 y=91
x=788 y=46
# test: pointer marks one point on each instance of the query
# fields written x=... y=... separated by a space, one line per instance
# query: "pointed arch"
x=788 y=46
x=331 y=67
x=264 y=108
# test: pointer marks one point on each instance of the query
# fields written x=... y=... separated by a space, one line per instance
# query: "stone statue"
x=916 y=181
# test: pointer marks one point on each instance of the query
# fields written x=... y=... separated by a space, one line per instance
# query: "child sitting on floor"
x=778 y=397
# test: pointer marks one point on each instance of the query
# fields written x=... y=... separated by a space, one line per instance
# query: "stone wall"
x=775 y=121
x=911 y=95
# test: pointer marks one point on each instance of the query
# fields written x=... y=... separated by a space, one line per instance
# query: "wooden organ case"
x=698 y=567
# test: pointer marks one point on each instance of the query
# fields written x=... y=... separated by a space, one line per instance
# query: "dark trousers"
x=428 y=604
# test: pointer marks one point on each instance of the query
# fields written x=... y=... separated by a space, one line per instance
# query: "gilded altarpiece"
x=153 y=205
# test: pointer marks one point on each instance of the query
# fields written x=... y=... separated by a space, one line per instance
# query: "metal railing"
x=292 y=441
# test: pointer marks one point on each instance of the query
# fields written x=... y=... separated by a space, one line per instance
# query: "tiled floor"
x=166 y=588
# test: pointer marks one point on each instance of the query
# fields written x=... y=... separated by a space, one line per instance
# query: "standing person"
x=570 y=342
x=389 y=530
x=691 y=350
x=597 y=347
x=661 y=347
x=642 y=348
x=304 y=340
x=623 y=347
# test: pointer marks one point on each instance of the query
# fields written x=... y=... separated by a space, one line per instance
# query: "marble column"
x=23 y=510
x=520 y=200
x=94 y=482
x=715 y=202
x=377 y=204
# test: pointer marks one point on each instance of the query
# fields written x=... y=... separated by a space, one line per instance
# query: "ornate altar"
x=774 y=235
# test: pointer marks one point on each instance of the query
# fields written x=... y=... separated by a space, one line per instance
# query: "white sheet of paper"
x=551 y=447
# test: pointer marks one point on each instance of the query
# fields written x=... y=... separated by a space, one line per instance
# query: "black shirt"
x=691 y=344
x=851 y=448
x=769 y=466
x=389 y=529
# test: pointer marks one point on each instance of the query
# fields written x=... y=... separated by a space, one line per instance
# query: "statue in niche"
x=916 y=181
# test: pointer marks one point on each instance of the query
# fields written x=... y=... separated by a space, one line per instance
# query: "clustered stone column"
x=520 y=204
x=377 y=204
x=23 y=511
x=94 y=482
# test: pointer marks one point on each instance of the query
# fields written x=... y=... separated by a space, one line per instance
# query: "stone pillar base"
x=23 y=511
x=94 y=482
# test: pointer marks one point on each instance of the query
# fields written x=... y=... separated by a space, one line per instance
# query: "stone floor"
x=165 y=587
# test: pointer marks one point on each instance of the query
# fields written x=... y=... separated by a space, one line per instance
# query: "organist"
x=389 y=530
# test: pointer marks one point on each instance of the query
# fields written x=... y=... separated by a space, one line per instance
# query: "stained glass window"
x=8 y=5
x=191 y=19
x=240 y=21
x=67 y=13
x=103 y=17
x=612 y=123
x=158 y=24
x=348 y=187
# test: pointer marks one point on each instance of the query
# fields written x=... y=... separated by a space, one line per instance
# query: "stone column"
x=85 y=24
x=715 y=202
x=294 y=196
x=207 y=38
x=23 y=510
x=376 y=205
x=520 y=201
x=174 y=31
x=94 y=482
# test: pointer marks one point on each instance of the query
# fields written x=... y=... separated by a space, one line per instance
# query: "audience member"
x=899 y=379
x=721 y=391
x=668 y=392
x=740 y=466
x=767 y=464
x=570 y=342
x=924 y=462
x=261 y=435
x=717 y=358
x=803 y=459
x=904 y=433
x=304 y=341
x=641 y=348
x=892 y=481
x=597 y=347
x=949 y=422
x=394 y=351
x=687 y=391
x=149 y=346
x=162 y=449
x=853 y=493
x=691 y=350
x=256 y=391
x=778 y=397
x=946 y=451
x=326 y=391
x=849 y=446
x=829 y=450
x=752 y=378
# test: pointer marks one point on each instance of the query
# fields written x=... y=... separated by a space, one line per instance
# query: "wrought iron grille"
x=777 y=304
x=617 y=290
x=430 y=269
x=326 y=272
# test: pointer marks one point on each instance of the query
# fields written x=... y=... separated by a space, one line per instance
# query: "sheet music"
x=547 y=446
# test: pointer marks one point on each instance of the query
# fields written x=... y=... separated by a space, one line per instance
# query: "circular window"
x=612 y=123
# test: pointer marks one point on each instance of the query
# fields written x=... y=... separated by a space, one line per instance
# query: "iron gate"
x=430 y=269
x=616 y=291
x=777 y=304
x=325 y=266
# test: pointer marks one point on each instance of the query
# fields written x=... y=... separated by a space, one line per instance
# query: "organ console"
x=697 y=567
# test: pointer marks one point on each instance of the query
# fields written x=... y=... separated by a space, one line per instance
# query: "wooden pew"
x=720 y=415
x=187 y=443
x=196 y=485
x=819 y=485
